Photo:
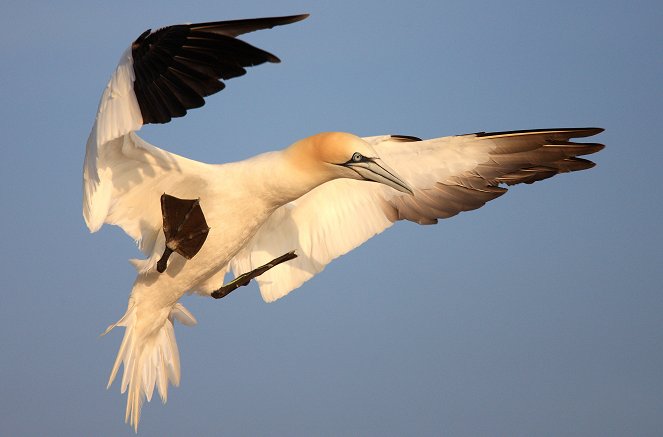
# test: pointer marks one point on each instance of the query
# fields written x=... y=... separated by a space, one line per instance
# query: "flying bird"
x=278 y=217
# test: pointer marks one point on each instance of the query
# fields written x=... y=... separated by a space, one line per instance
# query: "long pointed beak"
x=377 y=171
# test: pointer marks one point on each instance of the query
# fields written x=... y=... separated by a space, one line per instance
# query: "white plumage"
x=311 y=197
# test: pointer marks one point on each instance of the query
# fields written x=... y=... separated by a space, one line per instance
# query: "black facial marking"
x=356 y=158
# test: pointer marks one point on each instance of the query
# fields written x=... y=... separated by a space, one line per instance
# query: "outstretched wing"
x=449 y=175
x=160 y=76
x=175 y=67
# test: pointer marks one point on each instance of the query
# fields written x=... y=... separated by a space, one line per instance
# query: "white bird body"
x=311 y=197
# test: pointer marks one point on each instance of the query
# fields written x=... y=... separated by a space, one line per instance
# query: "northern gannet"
x=294 y=209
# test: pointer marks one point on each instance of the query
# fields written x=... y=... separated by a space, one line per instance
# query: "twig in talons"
x=245 y=278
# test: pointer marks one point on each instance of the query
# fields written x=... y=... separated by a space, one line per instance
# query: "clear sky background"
x=539 y=314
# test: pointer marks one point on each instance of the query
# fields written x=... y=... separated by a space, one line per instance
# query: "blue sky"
x=540 y=313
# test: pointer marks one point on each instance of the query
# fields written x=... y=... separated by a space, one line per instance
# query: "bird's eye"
x=357 y=157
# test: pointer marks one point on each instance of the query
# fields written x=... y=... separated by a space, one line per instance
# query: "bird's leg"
x=245 y=278
x=163 y=261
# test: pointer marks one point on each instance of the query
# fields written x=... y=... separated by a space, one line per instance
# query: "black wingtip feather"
x=177 y=66
x=407 y=138
x=240 y=27
x=572 y=132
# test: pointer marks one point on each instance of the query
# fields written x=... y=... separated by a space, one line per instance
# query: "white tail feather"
x=149 y=358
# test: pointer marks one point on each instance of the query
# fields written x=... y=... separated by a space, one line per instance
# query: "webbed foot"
x=184 y=227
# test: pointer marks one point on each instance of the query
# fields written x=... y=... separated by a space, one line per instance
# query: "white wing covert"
x=118 y=115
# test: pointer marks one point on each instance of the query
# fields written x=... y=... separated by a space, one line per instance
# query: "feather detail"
x=149 y=355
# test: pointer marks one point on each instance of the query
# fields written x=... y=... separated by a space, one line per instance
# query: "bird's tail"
x=150 y=357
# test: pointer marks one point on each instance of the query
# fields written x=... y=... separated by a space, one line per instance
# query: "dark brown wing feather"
x=177 y=66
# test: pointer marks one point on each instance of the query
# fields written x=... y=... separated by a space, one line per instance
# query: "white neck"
x=278 y=180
